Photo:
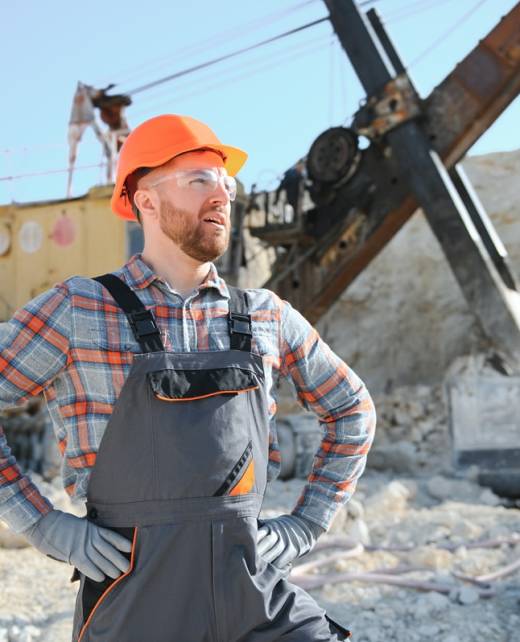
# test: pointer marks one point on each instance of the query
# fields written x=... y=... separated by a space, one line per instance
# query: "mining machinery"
x=356 y=197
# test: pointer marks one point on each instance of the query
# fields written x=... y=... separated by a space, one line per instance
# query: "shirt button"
x=93 y=513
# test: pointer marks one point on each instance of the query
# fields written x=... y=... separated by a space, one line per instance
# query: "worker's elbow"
x=365 y=409
x=370 y=415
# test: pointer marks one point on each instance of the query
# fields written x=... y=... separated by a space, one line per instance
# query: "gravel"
x=426 y=507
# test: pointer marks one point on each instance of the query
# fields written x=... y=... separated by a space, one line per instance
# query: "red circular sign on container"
x=64 y=231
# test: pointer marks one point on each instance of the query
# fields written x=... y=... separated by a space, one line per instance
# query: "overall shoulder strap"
x=240 y=332
x=141 y=320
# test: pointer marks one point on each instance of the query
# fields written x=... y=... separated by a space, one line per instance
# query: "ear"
x=147 y=202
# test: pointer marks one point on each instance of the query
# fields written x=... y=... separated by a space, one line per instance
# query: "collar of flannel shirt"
x=139 y=275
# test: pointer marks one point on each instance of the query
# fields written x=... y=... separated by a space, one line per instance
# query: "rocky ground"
x=406 y=537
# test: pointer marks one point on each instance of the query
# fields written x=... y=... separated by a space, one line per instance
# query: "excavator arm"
x=362 y=198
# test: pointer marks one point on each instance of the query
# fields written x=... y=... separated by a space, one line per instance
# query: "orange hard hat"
x=157 y=141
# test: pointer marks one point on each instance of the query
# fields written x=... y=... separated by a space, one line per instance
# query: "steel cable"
x=300 y=53
x=209 y=63
x=209 y=44
x=201 y=79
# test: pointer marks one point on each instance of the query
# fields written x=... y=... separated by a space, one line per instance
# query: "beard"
x=197 y=240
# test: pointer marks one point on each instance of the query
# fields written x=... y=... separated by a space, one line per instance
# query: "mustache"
x=214 y=208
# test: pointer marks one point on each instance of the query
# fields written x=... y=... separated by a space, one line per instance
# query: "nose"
x=220 y=194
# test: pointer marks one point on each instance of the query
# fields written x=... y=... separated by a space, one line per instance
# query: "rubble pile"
x=412 y=431
x=421 y=551
x=406 y=556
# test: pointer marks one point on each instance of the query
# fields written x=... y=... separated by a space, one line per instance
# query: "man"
x=291 y=184
x=159 y=382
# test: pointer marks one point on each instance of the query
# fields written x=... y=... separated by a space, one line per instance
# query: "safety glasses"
x=204 y=181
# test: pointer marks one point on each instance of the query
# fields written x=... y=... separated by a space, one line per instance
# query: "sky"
x=272 y=102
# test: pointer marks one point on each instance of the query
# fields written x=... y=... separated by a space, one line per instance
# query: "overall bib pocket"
x=189 y=385
x=204 y=415
x=96 y=594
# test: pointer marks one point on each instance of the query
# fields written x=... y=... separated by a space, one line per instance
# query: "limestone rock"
x=355 y=509
x=437 y=602
x=400 y=457
x=358 y=530
x=430 y=557
x=8 y=539
x=428 y=631
x=14 y=633
x=488 y=497
x=29 y=634
x=391 y=499
x=466 y=595
x=440 y=488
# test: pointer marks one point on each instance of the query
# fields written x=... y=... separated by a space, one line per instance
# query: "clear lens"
x=201 y=180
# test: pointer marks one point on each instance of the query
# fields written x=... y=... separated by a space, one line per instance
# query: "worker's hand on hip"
x=93 y=550
x=283 y=539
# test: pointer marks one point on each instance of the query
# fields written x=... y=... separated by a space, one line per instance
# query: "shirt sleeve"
x=34 y=349
x=330 y=389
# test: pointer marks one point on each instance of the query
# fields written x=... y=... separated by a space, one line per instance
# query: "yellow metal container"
x=44 y=243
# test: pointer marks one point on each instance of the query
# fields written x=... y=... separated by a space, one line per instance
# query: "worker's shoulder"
x=263 y=299
x=82 y=286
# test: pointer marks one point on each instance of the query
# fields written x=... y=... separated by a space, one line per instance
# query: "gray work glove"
x=76 y=540
x=283 y=539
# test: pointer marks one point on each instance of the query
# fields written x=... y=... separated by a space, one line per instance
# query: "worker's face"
x=185 y=212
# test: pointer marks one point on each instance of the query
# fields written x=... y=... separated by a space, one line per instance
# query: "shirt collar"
x=213 y=280
x=139 y=275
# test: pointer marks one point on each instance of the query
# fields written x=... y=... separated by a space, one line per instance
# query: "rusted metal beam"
x=466 y=103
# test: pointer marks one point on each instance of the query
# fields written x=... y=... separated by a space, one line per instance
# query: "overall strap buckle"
x=240 y=329
x=142 y=323
x=240 y=323
x=141 y=320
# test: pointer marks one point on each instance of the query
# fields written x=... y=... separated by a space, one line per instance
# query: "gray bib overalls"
x=181 y=472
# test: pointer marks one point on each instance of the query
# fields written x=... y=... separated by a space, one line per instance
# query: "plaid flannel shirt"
x=74 y=344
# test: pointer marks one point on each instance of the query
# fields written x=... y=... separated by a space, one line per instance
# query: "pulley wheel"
x=333 y=155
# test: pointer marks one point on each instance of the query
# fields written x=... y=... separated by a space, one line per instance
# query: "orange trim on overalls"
x=103 y=595
x=211 y=394
x=246 y=482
